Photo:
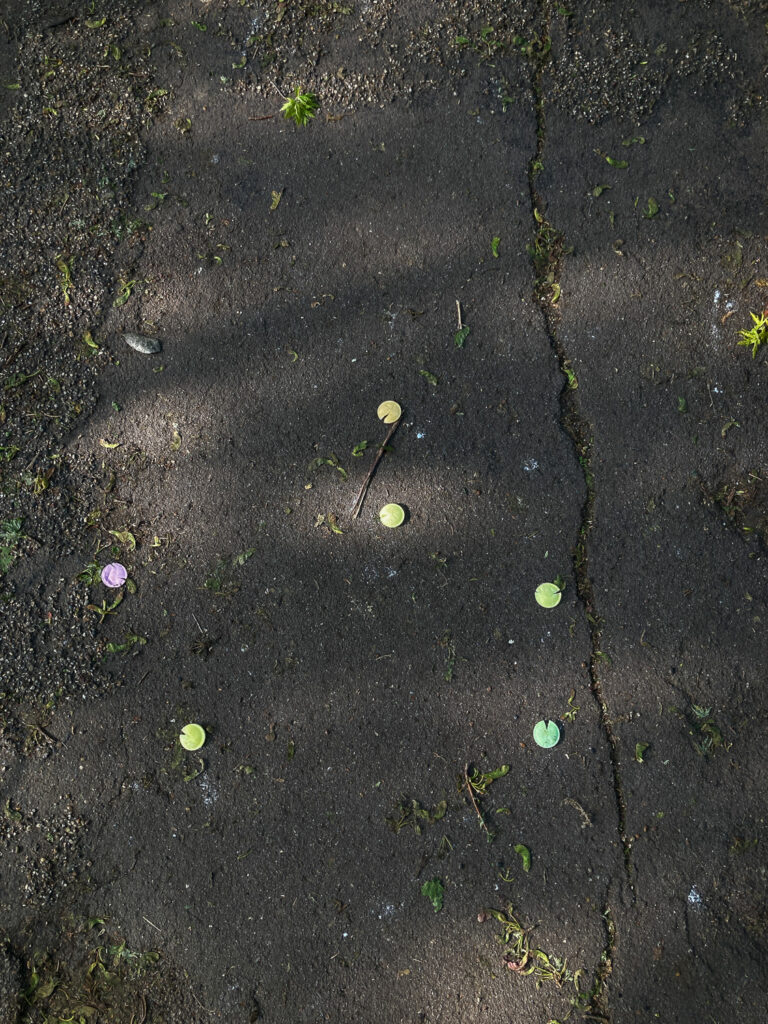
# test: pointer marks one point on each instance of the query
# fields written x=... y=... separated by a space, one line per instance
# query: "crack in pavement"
x=546 y=252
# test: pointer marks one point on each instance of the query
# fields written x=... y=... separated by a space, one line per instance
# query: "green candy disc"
x=192 y=736
x=392 y=515
x=546 y=733
x=548 y=595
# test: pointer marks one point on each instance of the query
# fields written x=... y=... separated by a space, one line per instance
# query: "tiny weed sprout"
x=114 y=575
x=192 y=736
x=392 y=515
x=546 y=734
x=640 y=749
x=389 y=412
x=548 y=595
x=300 y=108
x=757 y=335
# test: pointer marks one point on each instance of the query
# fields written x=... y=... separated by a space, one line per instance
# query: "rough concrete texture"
x=598 y=424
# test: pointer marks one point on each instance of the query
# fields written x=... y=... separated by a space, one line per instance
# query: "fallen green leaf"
x=430 y=377
x=525 y=855
x=243 y=557
x=640 y=749
x=480 y=781
x=458 y=339
x=621 y=164
x=124 y=293
x=124 y=537
x=495 y=246
x=651 y=209
x=598 y=190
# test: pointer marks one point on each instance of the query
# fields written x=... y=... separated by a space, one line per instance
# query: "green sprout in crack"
x=757 y=335
x=300 y=108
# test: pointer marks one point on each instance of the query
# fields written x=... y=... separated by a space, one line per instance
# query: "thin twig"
x=264 y=117
x=358 y=505
x=458 y=313
x=274 y=86
x=202 y=631
x=480 y=818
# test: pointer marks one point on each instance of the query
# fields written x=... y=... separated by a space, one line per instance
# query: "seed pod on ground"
x=139 y=342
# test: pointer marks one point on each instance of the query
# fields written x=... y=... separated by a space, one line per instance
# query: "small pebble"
x=149 y=346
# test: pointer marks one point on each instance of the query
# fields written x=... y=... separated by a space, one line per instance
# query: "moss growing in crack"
x=546 y=251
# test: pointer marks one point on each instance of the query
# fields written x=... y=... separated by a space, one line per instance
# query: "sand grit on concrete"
x=348 y=676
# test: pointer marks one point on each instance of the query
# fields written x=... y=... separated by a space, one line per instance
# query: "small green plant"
x=300 y=108
x=434 y=892
x=91 y=574
x=573 y=708
x=477 y=785
x=707 y=736
x=757 y=335
x=10 y=535
x=131 y=640
x=103 y=609
x=480 y=781
x=524 y=959
x=410 y=814
x=64 y=267
x=331 y=460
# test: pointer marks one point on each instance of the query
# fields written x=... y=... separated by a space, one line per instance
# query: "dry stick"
x=474 y=802
x=357 y=507
x=458 y=312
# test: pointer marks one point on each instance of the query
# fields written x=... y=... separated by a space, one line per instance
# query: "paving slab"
x=665 y=271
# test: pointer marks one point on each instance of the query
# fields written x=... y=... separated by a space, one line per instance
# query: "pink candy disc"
x=114 y=575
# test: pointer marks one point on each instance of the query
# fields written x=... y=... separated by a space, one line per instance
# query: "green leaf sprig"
x=300 y=108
